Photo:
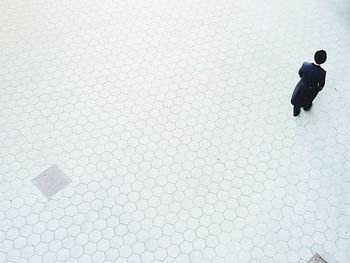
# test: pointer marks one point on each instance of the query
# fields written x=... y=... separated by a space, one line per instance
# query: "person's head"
x=320 y=57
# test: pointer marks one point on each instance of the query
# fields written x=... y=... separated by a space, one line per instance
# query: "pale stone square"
x=51 y=181
x=317 y=259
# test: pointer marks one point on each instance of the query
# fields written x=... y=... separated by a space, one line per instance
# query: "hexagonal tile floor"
x=173 y=121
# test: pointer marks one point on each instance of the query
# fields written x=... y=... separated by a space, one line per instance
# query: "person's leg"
x=308 y=102
x=296 y=111
x=308 y=106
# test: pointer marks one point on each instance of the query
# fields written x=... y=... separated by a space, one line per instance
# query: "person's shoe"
x=296 y=111
x=308 y=107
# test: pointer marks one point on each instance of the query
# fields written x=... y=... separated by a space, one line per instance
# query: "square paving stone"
x=51 y=181
x=317 y=259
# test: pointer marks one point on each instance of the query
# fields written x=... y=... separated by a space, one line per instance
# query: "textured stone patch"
x=317 y=259
x=51 y=181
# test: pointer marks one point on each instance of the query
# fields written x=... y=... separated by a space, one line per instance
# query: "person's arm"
x=322 y=81
x=301 y=71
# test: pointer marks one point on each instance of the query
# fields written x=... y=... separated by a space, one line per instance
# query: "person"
x=312 y=81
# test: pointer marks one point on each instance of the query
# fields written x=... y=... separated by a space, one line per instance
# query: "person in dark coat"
x=312 y=80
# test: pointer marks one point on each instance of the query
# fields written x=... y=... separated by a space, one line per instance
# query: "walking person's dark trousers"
x=308 y=106
x=296 y=110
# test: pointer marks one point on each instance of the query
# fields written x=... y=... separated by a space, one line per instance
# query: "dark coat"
x=312 y=80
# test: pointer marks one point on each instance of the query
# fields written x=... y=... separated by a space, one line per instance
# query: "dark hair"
x=320 y=57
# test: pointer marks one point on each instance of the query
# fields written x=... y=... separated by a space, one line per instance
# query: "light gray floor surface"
x=173 y=121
